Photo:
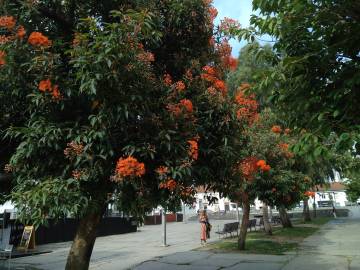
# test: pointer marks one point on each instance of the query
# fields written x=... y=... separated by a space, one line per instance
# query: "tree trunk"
x=244 y=221
x=82 y=246
x=267 y=225
x=306 y=212
x=284 y=217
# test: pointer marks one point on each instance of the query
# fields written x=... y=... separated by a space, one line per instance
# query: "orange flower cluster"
x=276 y=129
x=146 y=57
x=193 y=149
x=73 y=149
x=210 y=75
x=248 y=168
x=170 y=184
x=162 y=170
x=209 y=70
x=180 y=86
x=212 y=91
x=7 y=22
x=224 y=50
x=221 y=86
x=228 y=24
x=21 y=32
x=188 y=74
x=77 y=174
x=187 y=104
x=39 y=40
x=2 y=58
x=129 y=167
x=309 y=194
x=231 y=62
x=46 y=85
x=285 y=149
x=284 y=146
x=184 y=107
x=77 y=40
x=287 y=131
x=263 y=166
x=213 y=13
x=4 y=39
x=248 y=106
x=167 y=79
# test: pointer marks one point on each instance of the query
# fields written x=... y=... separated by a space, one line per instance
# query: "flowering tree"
x=119 y=102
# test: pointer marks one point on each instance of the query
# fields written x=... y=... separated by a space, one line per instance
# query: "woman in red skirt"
x=204 y=221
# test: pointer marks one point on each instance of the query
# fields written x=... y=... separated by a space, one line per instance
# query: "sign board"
x=27 y=239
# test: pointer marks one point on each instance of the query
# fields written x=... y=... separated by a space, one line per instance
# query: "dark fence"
x=64 y=230
x=156 y=219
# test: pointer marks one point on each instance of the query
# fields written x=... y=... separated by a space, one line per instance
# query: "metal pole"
x=163 y=221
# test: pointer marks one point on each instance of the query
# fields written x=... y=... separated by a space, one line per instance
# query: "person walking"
x=204 y=227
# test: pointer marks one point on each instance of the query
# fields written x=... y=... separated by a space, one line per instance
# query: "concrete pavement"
x=335 y=247
x=123 y=251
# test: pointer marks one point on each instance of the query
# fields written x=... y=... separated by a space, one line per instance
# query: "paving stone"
x=255 y=266
x=155 y=265
x=217 y=261
x=185 y=257
x=317 y=261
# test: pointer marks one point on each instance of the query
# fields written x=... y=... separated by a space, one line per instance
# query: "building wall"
x=339 y=197
x=7 y=206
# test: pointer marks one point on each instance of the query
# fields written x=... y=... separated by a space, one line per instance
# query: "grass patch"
x=284 y=234
x=319 y=221
x=315 y=221
x=254 y=246
x=281 y=241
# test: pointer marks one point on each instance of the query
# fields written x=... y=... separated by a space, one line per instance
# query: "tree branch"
x=58 y=18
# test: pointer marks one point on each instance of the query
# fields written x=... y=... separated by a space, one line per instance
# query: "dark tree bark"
x=244 y=221
x=306 y=212
x=83 y=244
x=284 y=217
x=267 y=225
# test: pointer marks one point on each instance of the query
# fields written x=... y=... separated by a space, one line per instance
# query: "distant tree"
x=255 y=63
x=317 y=74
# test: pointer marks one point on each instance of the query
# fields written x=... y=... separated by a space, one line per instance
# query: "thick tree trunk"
x=82 y=246
x=284 y=217
x=244 y=221
x=267 y=225
x=306 y=212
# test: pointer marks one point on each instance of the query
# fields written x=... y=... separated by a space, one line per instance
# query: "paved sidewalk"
x=335 y=247
x=122 y=251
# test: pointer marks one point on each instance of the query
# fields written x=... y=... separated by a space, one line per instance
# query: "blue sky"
x=235 y=9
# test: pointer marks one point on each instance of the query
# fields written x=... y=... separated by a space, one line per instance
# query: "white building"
x=325 y=195
x=212 y=201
